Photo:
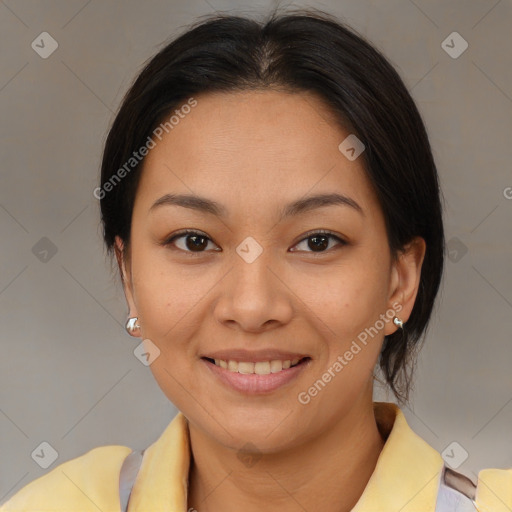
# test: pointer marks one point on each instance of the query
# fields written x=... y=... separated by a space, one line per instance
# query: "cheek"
x=172 y=301
x=347 y=299
x=168 y=301
x=166 y=296
x=347 y=307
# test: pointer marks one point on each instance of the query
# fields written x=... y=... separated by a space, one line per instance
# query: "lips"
x=259 y=380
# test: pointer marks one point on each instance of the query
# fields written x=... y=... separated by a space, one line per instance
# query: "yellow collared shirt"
x=406 y=477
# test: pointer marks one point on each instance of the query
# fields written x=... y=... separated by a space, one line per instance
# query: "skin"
x=254 y=152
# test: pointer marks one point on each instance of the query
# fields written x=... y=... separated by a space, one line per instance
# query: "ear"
x=405 y=280
x=125 y=276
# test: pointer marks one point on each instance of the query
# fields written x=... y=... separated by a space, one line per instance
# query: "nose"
x=253 y=297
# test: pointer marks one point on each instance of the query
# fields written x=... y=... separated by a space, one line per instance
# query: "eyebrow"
x=300 y=206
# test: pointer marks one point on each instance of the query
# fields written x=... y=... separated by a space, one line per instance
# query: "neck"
x=328 y=473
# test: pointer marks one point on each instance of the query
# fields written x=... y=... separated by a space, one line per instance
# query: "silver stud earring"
x=132 y=326
x=398 y=322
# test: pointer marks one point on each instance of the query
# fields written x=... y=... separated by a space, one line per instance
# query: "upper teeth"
x=260 y=368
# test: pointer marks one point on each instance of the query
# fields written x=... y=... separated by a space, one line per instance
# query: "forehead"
x=254 y=145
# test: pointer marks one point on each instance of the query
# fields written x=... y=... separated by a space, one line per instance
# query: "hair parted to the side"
x=304 y=50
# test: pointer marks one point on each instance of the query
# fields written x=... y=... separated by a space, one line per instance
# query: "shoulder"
x=494 y=490
x=88 y=482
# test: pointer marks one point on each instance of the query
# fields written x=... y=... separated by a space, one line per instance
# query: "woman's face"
x=252 y=287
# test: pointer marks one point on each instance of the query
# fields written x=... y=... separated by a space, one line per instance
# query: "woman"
x=271 y=197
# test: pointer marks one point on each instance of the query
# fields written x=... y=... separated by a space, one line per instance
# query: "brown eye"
x=319 y=241
x=193 y=241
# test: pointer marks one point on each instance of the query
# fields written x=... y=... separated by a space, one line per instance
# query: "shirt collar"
x=406 y=477
x=408 y=471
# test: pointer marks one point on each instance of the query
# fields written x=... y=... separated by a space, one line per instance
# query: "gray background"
x=68 y=374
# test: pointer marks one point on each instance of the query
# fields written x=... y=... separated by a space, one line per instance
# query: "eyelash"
x=310 y=234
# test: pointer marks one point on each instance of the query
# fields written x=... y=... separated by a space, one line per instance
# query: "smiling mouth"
x=257 y=368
